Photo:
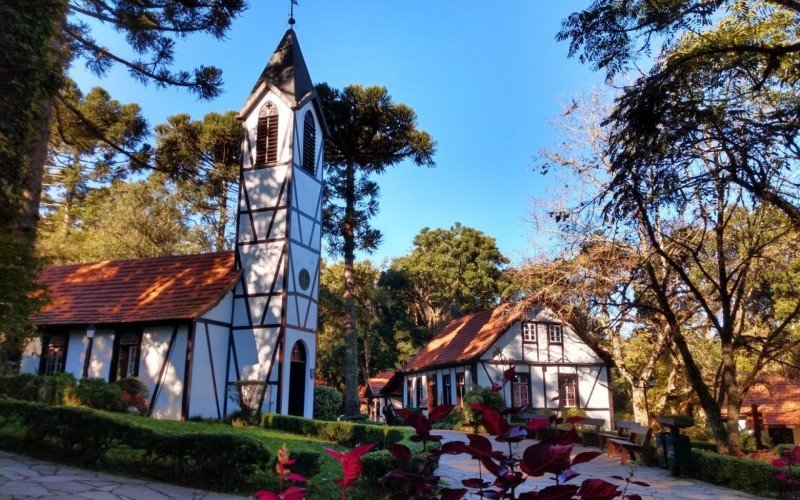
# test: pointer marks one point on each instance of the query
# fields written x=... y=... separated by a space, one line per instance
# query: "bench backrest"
x=596 y=422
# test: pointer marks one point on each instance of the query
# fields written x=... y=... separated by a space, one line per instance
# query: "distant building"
x=777 y=400
x=192 y=326
x=372 y=399
x=555 y=367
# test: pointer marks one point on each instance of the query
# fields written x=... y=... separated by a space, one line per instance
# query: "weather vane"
x=292 y=3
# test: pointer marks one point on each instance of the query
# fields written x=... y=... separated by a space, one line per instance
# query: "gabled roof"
x=376 y=383
x=176 y=287
x=466 y=338
x=778 y=399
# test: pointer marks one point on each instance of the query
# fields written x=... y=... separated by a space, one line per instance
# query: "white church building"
x=192 y=326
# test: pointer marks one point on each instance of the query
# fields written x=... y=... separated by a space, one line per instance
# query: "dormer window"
x=267 y=135
x=309 y=143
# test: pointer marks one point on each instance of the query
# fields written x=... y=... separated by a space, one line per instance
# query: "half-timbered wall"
x=278 y=248
x=543 y=361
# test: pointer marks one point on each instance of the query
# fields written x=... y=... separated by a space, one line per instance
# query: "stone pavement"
x=454 y=468
x=23 y=477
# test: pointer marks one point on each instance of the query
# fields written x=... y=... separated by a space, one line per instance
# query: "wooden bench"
x=590 y=430
x=532 y=415
x=637 y=438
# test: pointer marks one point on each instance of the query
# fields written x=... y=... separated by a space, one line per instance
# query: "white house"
x=192 y=326
x=556 y=368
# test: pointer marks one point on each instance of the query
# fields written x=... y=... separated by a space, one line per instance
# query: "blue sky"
x=484 y=77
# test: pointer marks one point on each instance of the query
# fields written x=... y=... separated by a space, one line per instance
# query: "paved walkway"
x=454 y=468
x=23 y=477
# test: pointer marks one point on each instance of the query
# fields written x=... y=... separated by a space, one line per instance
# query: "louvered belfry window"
x=309 y=142
x=267 y=135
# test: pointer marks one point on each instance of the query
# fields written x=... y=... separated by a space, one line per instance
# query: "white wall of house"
x=162 y=365
x=542 y=361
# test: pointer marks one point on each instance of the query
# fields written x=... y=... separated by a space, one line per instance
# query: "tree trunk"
x=222 y=225
x=351 y=406
x=639 y=406
x=734 y=401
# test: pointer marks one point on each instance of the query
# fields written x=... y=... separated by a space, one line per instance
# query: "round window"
x=305 y=279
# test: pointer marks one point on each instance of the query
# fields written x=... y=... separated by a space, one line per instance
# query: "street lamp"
x=90 y=331
x=645 y=384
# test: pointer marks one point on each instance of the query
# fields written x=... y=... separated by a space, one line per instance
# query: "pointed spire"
x=287 y=70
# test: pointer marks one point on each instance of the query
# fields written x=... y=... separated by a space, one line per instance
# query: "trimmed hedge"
x=343 y=433
x=378 y=463
x=744 y=474
x=172 y=451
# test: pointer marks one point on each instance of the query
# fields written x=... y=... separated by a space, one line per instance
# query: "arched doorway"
x=297 y=379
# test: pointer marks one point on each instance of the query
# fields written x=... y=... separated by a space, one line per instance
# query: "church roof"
x=465 y=339
x=176 y=287
x=287 y=70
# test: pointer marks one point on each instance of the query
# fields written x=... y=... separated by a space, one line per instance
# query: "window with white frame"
x=554 y=333
x=529 y=333
x=568 y=390
x=56 y=355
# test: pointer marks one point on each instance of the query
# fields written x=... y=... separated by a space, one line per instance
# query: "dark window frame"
x=114 y=372
x=419 y=399
x=44 y=359
x=447 y=389
x=560 y=335
x=432 y=396
x=461 y=387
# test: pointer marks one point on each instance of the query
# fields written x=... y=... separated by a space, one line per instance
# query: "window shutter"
x=309 y=143
x=267 y=135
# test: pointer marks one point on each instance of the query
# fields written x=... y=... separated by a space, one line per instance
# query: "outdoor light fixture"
x=90 y=331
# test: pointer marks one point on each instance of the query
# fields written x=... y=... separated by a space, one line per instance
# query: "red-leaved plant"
x=789 y=462
x=351 y=465
x=282 y=463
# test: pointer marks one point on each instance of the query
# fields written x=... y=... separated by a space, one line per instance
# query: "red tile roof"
x=376 y=383
x=466 y=338
x=778 y=400
x=177 y=287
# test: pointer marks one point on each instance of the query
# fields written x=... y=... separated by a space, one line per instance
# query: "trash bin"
x=676 y=450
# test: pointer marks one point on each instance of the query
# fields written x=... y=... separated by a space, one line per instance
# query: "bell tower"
x=278 y=237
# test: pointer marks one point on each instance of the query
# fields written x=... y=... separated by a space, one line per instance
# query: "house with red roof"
x=776 y=400
x=556 y=368
x=196 y=327
x=373 y=400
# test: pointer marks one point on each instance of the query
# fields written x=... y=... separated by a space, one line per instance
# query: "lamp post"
x=645 y=384
x=90 y=331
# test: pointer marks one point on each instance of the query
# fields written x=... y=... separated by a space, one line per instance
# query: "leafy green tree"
x=122 y=221
x=204 y=157
x=79 y=159
x=725 y=84
x=368 y=134
x=452 y=272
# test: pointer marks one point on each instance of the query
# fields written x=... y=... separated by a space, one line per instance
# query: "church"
x=196 y=327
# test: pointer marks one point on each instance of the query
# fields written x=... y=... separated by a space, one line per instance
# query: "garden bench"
x=530 y=415
x=590 y=430
x=636 y=440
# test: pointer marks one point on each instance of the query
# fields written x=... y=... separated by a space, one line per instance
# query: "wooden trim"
x=213 y=322
x=610 y=397
x=87 y=357
x=259 y=242
x=187 y=371
x=544 y=386
x=162 y=371
x=264 y=166
x=596 y=378
x=272 y=286
x=112 y=369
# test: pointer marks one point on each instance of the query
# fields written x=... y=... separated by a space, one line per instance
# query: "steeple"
x=278 y=234
x=287 y=76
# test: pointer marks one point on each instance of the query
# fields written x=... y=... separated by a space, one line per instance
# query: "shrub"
x=134 y=394
x=306 y=463
x=482 y=395
x=171 y=451
x=98 y=394
x=50 y=389
x=343 y=433
x=24 y=386
x=327 y=403
x=742 y=474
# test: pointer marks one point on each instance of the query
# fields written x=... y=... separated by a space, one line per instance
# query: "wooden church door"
x=297 y=380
